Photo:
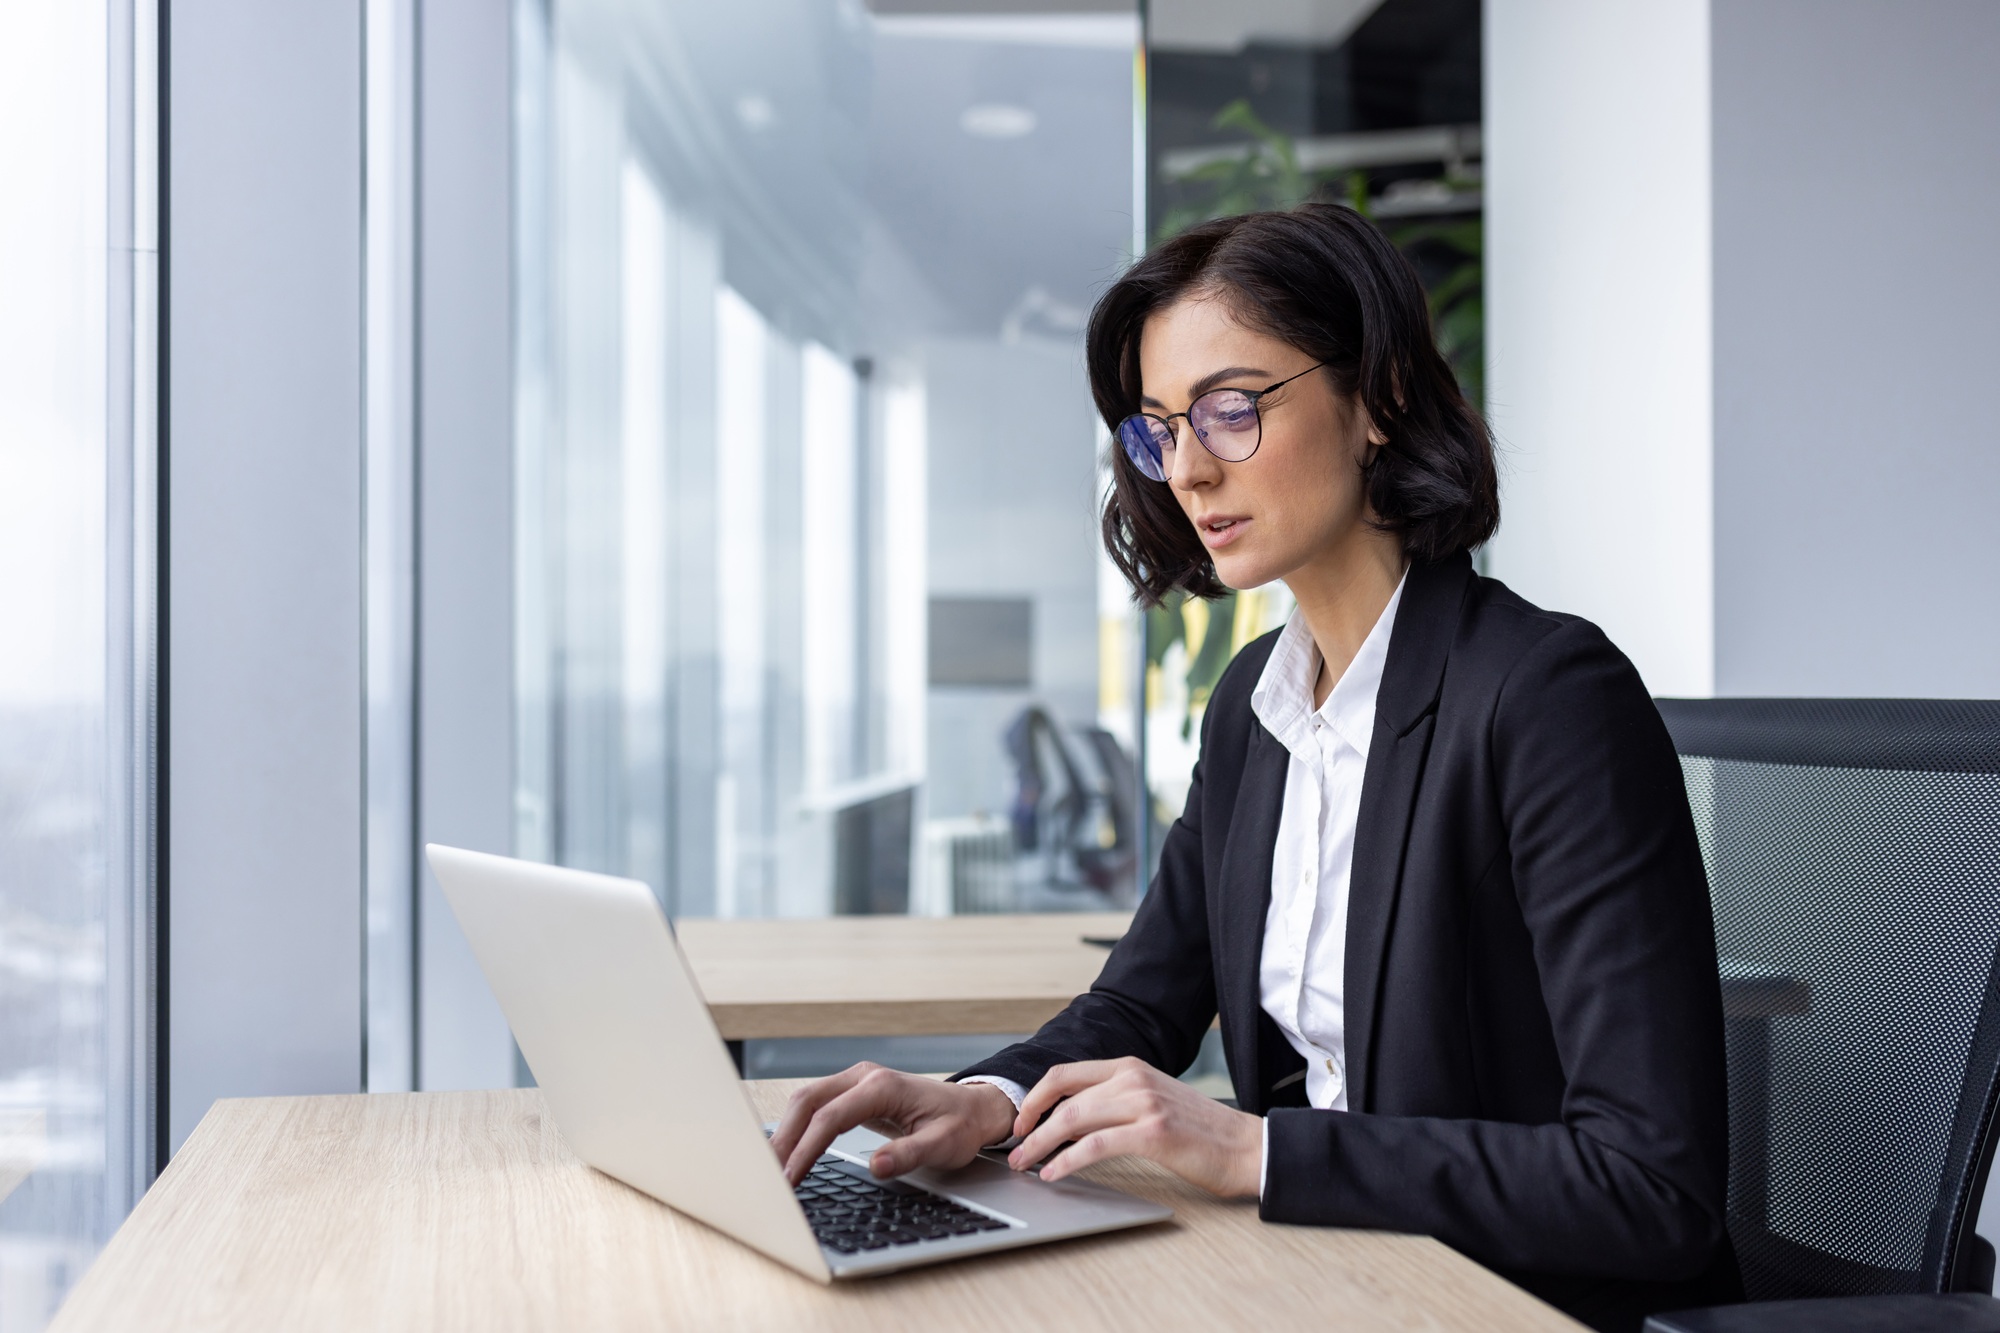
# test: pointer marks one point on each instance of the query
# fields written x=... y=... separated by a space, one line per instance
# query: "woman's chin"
x=1241 y=571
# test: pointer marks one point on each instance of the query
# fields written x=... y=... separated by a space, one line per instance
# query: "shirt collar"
x=1282 y=699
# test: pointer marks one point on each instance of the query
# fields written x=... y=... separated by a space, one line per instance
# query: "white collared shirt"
x=1302 y=969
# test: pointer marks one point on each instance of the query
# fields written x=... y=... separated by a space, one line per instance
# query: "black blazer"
x=1533 y=1017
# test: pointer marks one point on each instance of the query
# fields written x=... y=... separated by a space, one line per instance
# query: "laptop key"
x=849 y=1210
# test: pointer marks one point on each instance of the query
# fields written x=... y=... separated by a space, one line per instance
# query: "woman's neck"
x=1341 y=597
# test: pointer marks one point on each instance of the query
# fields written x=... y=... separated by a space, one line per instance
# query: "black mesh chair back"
x=1853 y=852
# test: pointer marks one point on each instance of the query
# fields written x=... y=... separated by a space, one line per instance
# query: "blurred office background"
x=652 y=436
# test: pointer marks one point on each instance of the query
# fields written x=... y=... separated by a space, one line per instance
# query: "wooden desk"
x=466 y=1211
x=890 y=976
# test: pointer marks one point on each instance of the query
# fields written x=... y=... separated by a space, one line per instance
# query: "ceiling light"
x=755 y=111
x=997 y=120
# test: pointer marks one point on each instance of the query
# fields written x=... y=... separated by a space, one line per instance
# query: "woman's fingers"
x=1141 y=1112
x=872 y=1094
x=808 y=1100
x=937 y=1142
x=1101 y=1108
x=1100 y=1145
x=1063 y=1081
x=1096 y=1107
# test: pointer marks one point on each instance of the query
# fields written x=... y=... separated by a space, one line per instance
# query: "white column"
x=261 y=882
x=1599 y=329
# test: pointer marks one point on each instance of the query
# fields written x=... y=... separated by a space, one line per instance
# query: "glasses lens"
x=1148 y=443
x=1226 y=421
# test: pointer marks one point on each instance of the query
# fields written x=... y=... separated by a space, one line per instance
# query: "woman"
x=1436 y=872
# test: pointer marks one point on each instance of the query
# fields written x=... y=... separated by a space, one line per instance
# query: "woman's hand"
x=930 y=1123
x=1118 y=1108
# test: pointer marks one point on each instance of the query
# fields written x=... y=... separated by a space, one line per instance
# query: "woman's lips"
x=1220 y=531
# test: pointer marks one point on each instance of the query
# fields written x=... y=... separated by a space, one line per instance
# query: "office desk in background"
x=894 y=976
x=448 y=1211
x=899 y=976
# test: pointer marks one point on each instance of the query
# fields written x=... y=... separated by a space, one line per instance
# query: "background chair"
x=1078 y=817
x=1853 y=852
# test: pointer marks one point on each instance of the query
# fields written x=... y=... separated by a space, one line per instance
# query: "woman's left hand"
x=1119 y=1108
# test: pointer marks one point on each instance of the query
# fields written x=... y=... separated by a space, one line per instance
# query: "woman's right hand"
x=929 y=1122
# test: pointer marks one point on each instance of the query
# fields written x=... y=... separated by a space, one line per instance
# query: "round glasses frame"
x=1230 y=414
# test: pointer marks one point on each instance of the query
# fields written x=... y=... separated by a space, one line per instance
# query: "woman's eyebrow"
x=1210 y=380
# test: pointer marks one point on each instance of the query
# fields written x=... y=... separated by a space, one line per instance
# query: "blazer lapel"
x=1405 y=716
x=1245 y=892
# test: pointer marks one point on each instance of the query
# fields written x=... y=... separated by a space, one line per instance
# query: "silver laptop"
x=610 y=1021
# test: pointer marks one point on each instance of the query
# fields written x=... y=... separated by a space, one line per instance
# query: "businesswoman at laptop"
x=1436 y=873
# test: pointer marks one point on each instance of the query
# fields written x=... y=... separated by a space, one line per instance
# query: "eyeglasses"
x=1226 y=421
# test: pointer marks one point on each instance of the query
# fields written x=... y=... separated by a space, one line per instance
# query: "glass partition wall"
x=811 y=613
x=813 y=617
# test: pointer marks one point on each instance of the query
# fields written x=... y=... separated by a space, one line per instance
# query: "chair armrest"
x=1960 y=1312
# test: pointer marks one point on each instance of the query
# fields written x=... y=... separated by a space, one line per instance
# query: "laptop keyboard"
x=850 y=1210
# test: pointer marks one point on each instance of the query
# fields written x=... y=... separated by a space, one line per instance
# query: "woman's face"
x=1298 y=501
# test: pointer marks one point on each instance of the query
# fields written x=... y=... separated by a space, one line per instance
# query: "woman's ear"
x=1373 y=440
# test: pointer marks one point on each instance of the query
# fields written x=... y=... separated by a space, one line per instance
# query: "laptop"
x=611 y=1023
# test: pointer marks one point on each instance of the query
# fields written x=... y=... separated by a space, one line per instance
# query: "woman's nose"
x=1194 y=465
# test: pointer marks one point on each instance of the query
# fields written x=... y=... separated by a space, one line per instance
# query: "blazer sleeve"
x=1628 y=1182
x=1155 y=997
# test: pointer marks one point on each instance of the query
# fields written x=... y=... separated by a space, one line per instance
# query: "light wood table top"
x=890 y=976
x=466 y=1210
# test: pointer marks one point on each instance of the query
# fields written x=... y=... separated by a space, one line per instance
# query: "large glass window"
x=76 y=268
x=811 y=613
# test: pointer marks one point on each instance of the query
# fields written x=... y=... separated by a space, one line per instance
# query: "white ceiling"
x=1205 y=25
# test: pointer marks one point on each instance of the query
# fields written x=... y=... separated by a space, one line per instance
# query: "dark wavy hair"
x=1323 y=279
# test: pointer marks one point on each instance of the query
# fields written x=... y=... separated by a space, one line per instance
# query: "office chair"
x=1853 y=854
x=1063 y=820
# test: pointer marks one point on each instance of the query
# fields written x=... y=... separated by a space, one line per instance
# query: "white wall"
x=1857 y=347
x=1741 y=298
x=1598 y=308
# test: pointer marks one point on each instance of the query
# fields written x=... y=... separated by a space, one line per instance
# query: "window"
x=76 y=262
x=812 y=617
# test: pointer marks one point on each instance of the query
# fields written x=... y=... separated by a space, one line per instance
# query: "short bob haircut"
x=1321 y=278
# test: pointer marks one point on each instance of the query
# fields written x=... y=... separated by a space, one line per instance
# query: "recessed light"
x=997 y=120
x=755 y=111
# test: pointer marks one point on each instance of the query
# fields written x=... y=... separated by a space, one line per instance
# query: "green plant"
x=1457 y=292
x=1265 y=173
x=1209 y=644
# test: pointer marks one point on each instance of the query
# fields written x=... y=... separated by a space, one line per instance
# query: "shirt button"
x=1333 y=1079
